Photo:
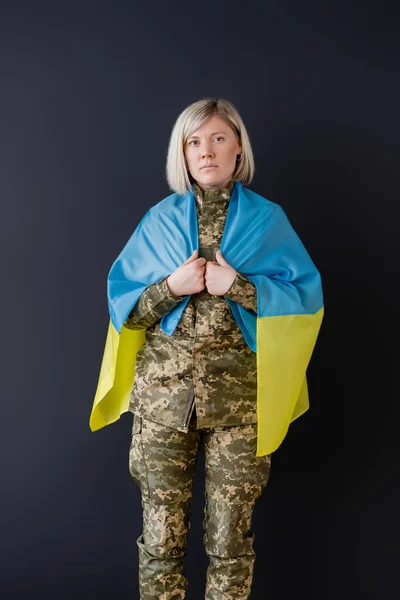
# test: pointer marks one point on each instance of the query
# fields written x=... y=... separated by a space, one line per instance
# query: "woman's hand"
x=219 y=275
x=189 y=277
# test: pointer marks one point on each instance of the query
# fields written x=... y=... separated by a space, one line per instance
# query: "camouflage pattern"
x=206 y=365
x=162 y=461
x=196 y=386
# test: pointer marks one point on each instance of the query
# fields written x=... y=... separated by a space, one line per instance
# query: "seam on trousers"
x=144 y=460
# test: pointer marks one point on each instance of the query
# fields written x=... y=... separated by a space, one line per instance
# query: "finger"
x=201 y=261
x=191 y=258
x=221 y=259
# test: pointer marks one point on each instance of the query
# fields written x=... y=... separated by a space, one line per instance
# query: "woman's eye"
x=192 y=142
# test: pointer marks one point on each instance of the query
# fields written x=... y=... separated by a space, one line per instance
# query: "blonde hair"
x=191 y=118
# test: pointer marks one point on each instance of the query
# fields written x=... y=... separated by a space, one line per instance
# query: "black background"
x=89 y=94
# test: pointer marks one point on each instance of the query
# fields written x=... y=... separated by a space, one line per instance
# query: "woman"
x=197 y=375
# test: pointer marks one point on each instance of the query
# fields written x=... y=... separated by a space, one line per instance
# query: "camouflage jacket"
x=205 y=364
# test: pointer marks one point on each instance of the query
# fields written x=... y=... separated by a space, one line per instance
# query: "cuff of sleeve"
x=166 y=292
x=240 y=288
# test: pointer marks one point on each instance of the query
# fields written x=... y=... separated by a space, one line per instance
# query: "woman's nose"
x=206 y=152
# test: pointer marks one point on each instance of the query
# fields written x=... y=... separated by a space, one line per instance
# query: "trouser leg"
x=162 y=548
x=162 y=461
x=235 y=478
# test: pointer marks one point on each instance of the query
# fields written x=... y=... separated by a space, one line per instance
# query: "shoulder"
x=170 y=202
x=256 y=200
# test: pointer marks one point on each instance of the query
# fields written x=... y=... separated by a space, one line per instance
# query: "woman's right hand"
x=189 y=277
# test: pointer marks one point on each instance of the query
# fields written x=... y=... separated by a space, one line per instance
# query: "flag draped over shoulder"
x=259 y=242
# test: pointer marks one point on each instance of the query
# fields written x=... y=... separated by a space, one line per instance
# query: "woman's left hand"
x=219 y=275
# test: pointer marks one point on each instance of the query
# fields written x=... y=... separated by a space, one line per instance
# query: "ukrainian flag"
x=259 y=242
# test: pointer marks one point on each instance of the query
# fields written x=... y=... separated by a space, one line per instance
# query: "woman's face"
x=216 y=144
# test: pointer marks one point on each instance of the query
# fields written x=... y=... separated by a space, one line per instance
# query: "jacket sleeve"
x=156 y=301
x=244 y=292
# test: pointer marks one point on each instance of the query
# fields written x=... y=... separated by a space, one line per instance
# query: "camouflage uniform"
x=198 y=385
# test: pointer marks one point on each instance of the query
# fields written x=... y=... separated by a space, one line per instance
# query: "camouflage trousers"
x=162 y=462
